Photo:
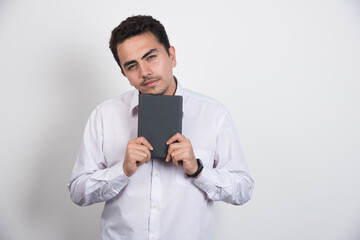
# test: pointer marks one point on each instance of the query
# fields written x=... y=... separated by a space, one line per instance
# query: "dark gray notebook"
x=160 y=117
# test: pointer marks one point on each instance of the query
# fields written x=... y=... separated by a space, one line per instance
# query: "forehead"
x=135 y=47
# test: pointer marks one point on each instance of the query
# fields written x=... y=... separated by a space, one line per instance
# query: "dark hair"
x=136 y=25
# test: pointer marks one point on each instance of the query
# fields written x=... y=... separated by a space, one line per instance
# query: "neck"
x=172 y=88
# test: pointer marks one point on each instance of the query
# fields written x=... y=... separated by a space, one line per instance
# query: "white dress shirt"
x=159 y=201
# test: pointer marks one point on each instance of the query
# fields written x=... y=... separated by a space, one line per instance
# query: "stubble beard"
x=160 y=91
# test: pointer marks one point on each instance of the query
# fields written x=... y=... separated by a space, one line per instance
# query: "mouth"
x=151 y=83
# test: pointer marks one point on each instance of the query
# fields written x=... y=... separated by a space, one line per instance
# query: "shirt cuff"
x=117 y=178
x=204 y=181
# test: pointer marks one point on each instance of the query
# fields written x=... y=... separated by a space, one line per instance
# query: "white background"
x=289 y=72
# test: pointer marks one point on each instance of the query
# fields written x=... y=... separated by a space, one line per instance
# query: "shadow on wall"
x=77 y=82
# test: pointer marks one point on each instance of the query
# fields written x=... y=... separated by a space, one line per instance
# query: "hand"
x=137 y=153
x=181 y=153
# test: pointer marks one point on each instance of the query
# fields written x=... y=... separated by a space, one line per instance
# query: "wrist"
x=197 y=173
x=127 y=173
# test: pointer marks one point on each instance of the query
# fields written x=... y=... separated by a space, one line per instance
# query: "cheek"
x=155 y=66
x=163 y=67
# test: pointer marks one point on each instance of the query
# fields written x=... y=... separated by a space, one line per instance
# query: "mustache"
x=149 y=78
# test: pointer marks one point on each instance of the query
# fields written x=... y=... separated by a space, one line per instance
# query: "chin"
x=154 y=91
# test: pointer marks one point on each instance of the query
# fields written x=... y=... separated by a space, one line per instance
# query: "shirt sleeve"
x=91 y=180
x=229 y=180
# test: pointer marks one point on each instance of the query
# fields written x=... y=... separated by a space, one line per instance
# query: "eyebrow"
x=148 y=53
x=145 y=55
x=128 y=63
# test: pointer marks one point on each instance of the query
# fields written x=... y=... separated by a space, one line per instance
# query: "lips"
x=151 y=83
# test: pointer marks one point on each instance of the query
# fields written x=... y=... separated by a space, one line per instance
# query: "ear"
x=172 y=56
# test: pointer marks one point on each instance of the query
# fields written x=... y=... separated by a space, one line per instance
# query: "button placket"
x=155 y=199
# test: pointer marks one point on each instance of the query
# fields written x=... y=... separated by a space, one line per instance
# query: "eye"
x=131 y=67
x=151 y=57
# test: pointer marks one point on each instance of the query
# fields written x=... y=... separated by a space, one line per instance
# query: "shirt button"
x=200 y=184
x=154 y=206
x=157 y=174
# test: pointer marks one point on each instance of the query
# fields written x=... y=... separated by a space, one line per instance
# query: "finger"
x=137 y=155
x=168 y=157
x=175 y=146
x=172 y=147
x=177 y=156
x=176 y=137
x=139 y=163
x=138 y=146
x=141 y=148
x=143 y=141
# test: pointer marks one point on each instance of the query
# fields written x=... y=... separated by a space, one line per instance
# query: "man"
x=148 y=198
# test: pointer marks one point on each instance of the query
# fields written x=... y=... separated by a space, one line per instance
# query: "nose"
x=145 y=69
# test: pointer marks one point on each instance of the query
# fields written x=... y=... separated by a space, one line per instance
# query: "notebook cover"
x=160 y=117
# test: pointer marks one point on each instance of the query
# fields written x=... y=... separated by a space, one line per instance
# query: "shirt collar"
x=134 y=102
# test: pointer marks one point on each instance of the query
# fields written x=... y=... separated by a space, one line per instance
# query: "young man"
x=147 y=198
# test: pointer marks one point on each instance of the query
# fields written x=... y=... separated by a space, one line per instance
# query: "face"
x=147 y=65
